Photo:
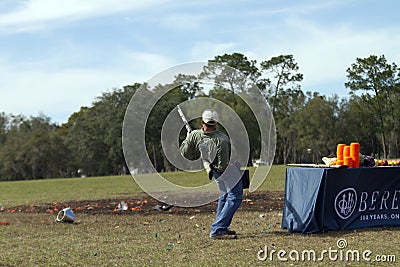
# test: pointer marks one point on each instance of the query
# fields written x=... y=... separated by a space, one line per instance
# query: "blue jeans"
x=228 y=203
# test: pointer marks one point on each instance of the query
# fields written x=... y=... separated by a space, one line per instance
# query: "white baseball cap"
x=210 y=117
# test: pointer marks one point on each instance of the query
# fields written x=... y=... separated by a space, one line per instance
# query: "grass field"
x=92 y=188
x=159 y=238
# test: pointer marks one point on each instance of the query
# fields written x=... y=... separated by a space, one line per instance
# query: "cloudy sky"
x=59 y=55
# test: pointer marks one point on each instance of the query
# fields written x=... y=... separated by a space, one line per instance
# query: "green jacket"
x=214 y=143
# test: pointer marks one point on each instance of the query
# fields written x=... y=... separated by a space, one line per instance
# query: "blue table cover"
x=322 y=199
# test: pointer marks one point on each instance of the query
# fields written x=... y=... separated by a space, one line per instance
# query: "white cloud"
x=144 y=62
x=64 y=91
x=204 y=51
x=64 y=70
x=323 y=52
x=180 y=21
x=34 y=92
x=326 y=54
x=38 y=14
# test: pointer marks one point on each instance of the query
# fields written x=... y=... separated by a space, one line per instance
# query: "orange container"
x=355 y=154
x=355 y=146
x=346 y=152
x=348 y=161
x=339 y=162
x=356 y=163
x=339 y=151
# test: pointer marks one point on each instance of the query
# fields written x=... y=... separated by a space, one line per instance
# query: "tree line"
x=308 y=125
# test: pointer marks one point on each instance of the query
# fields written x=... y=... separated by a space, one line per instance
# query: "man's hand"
x=204 y=156
x=210 y=174
x=209 y=171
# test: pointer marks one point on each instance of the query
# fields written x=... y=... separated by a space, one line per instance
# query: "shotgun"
x=184 y=119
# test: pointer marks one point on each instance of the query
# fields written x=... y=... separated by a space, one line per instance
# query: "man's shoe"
x=230 y=232
x=224 y=236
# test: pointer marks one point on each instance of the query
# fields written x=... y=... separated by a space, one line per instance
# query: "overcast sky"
x=59 y=55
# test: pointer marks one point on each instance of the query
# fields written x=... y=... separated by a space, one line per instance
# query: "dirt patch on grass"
x=143 y=204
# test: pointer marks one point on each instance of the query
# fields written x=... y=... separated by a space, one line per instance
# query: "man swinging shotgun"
x=203 y=148
x=214 y=148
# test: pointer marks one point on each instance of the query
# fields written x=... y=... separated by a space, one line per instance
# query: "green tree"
x=280 y=73
x=183 y=88
x=317 y=127
x=3 y=131
x=232 y=74
x=291 y=101
x=3 y=127
x=32 y=150
x=280 y=78
x=94 y=134
x=355 y=124
x=379 y=83
x=237 y=61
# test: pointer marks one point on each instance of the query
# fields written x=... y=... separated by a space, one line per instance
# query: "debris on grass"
x=263 y=202
x=122 y=206
x=66 y=215
x=162 y=207
x=170 y=246
x=268 y=227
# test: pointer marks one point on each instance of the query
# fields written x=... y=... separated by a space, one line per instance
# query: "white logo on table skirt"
x=345 y=203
